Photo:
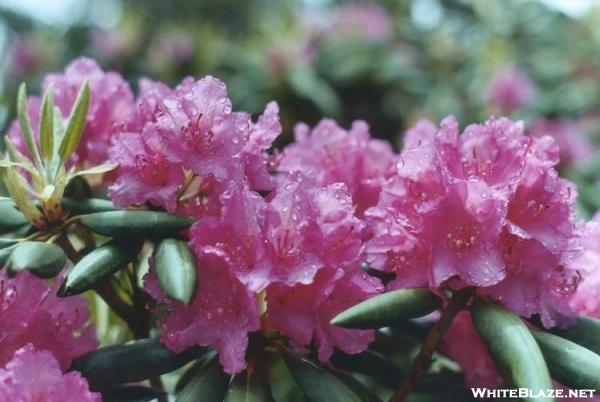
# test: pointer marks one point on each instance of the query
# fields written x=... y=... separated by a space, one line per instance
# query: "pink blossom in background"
x=31 y=313
x=35 y=376
x=27 y=55
x=575 y=147
x=304 y=311
x=510 y=90
x=462 y=344
x=111 y=105
x=331 y=154
x=367 y=20
x=484 y=209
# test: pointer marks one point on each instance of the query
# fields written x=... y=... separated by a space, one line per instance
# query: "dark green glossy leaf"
x=97 y=265
x=135 y=223
x=176 y=269
x=585 y=332
x=318 y=384
x=513 y=348
x=251 y=385
x=131 y=393
x=42 y=259
x=131 y=362
x=388 y=309
x=5 y=253
x=357 y=387
x=570 y=364
x=208 y=383
x=371 y=364
x=10 y=217
x=87 y=206
x=75 y=124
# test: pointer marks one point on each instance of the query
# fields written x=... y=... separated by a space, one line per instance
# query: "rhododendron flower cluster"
x=33 y=375
x=484 y=209
x=510 y=90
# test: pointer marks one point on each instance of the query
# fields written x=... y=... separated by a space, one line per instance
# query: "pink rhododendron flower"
x=484 y=209
x=368 y=20
x=575 y=147
x=221 y=315
x=510 y=89
x=31 y=313
x=111 y=104
x=462 y=344
x=331 y=154
x=34 y=376
x=586 y=300
x=303 y=312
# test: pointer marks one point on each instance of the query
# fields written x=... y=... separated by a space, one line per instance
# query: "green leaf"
x=388 y=309
x=131 y=393
x=86 y=206
x=318 y=384
x=47 y=127
x=100 y=169
x=251 y=385
x=208 y=383
x=75 y=124
x=176 y=269
x=132 y=224
x=356 y=386
x=5 y=253
x=307 y=84
x=98 y=265
x=515 y=352
x=44 y=260
x=371 y=364
x=131 y=362
x=570 y=364
x=10 y=217
x=26 y=131
x=585 y=332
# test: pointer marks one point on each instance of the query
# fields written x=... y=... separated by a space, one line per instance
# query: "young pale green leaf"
x=98 y=265
x=208 y=383
x=100 y=169
x=41 y=259
x=75 y=124
x=585 y=332
x=318 y=384
x=135 y=224
x=86 y=206
x=251 y=385
x=131 y=393
x=26 y=131
x=570 y=364
x=47 y=127
x=515 y=352
x=388 y=309
x=10 y=217
x=20 y=191
x=131 y=362
x=176 y=269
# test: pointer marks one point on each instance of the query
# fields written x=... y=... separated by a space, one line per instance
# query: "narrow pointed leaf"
x=75 y=124
x=388 y=309
x=86 y=206
x=10 y=217
x=26 y=131
x=133 y=224
x=47 y=127
x=318 y=384
x=570 y=364
x=131 y=362
x=208 y=384
x=515 y=352
x=585 y=332
x=251 y=385
x=98 y=265
x=100 y=169
x=176 y=269
x=41 y=259
x=131 y=393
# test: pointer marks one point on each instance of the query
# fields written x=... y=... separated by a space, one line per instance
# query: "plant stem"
x=421 y=363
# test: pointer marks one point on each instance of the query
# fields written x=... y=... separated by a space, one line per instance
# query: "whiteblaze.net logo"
x=529 y=393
